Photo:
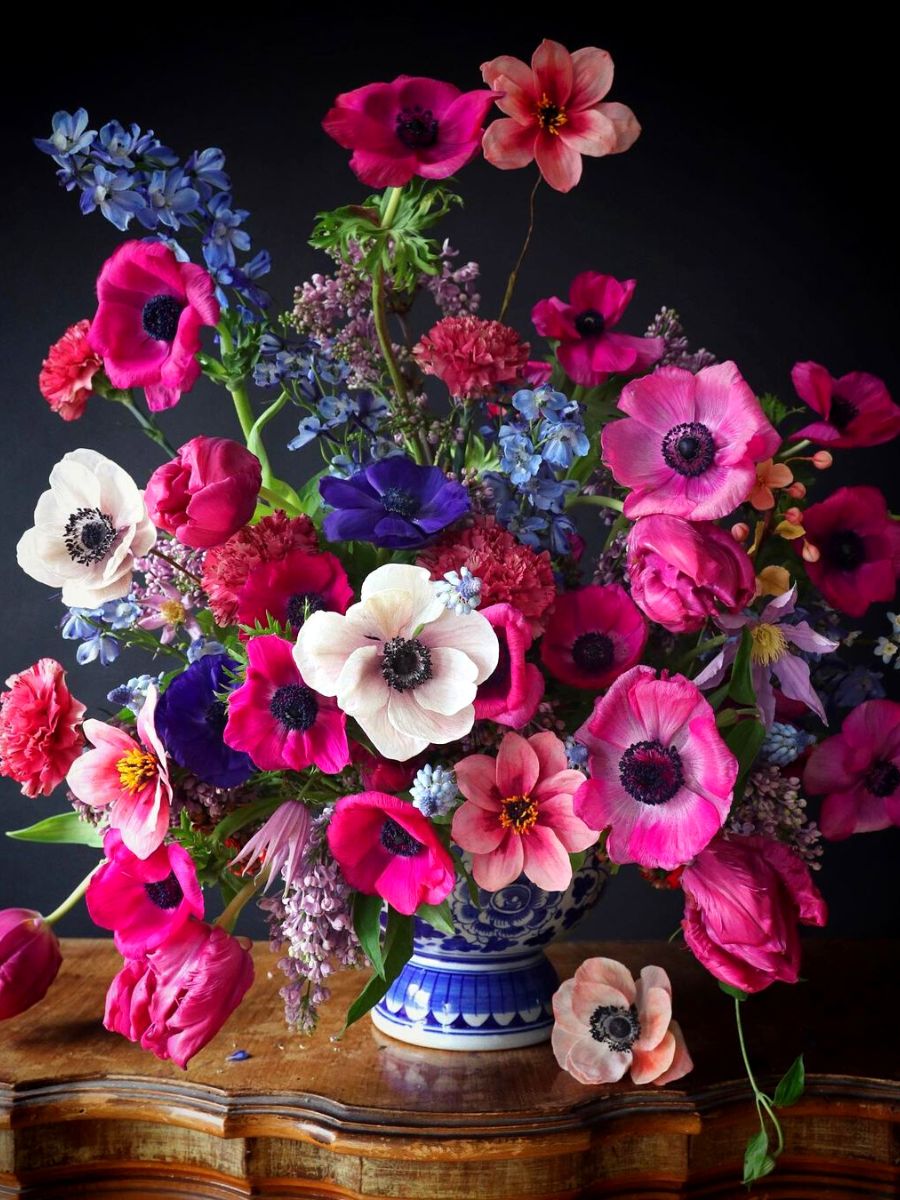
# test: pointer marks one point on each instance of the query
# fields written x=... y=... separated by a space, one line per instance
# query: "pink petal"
x=551 y=753
x=590 y=132
x=655 y=1014
x=587 y=996
x=594 y=1062
x=517 y=102
x=545 y=861
x=554 y=72
x=518 y=767
x=609 y=972
x=593 y=76
x=476 y=779
x=559 y=163
x=501 y=867
x=647 y=1065
x=681 y=1063
x=509 y=145
x=513 y=69
x=626 y=125
x=476 y=829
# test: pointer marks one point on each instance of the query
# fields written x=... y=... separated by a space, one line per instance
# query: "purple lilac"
x=773 y=807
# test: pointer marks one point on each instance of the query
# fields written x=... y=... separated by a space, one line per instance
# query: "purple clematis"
x=770 y=654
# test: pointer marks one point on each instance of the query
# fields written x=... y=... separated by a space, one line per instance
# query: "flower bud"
x=797 y=490
x=29 y=960
x=740 y=531
x=822 y=460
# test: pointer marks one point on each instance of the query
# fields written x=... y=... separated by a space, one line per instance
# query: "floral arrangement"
x=548 y=595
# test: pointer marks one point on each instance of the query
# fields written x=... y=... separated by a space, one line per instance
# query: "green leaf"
x=398 y=947
x=757 y=1160
x=741 y=686
x=735 y=993
x=744 y=741
x=367 y=924
x=437 y=915
x=64 y=828
x=776 y=410
x=790 y=1088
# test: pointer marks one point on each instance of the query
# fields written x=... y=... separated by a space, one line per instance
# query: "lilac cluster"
x=181 y=569
x=773 y=807
x=667 y=325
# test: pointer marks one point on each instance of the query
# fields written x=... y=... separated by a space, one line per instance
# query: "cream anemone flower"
x=88 y=529
x=399 y=662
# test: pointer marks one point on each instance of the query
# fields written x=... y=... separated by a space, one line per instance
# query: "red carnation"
x=39 y=728
x=67 y=371
x=473 y=357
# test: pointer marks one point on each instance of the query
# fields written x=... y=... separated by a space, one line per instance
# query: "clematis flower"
x=588 y=351
x=511 y=694
x=291 y=587
x=30 y=959
x=412 y=126
x=858 y=772
x=855 y=410
x=40 y=734
x=88 y=530
x=400 y=662
x=127 y=777
x=518 y=815
x=386 y=848
x=169 y=610
x=280 y=845
x=67 y=372
x=554 y=112
x=661 y=775
x=147 y=325
x=594 y=635
x=858 y=546
x=689 y=444
x=770 y=654
x=473 y=357
x=769 y=475
x=607 y=1024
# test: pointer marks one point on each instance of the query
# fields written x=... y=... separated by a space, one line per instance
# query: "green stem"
x=793 y=451
x=72 y=899
x=599 y=501
x=243 y=407
x=701 y=648
x=763 y=1103
x=514 y=274
x=147 y=423
x=390 y=204
x=254 y=438
x=177 y=565
x=227 y=918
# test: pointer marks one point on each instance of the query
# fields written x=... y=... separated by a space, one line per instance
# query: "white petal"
x=49 y=516
x=473 y=634
x=389 y=613
x=411 y=718
x=361 y=687
x=425 y=604
x=33 y=562
x=323 y=646
x=78 y=594
x=387 y=739
x=74 y=483
x=452 y=684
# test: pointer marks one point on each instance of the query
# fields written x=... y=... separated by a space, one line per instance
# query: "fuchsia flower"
x=607 y=1024
x=278 y=720
x=855 y=410
x=858 y=772
x=661 y=775
x=144 y=901
x=689 y=444
x=147 y=326
x=473 y=357
x=279 y=846
x=67 y=372
x=412 y=126
x=128 y=777
x=386 y=848
x=743 y=899
x=510 y=695
x=594 y=634
x=684 y=572
x=205 y=493
x=588 y=351
x=301 y=582
x=859 y=548
x=554 y=114
x=40 y=722
x=29 y=960
x=518 y=816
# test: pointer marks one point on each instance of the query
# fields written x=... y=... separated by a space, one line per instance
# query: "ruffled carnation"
x=472 y=356
x=39 y=728
x=67 y=371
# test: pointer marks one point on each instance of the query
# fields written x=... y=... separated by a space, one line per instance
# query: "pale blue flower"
x=434 y=791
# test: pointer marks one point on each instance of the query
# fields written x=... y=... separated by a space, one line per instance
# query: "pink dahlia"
x=40 y=736
x=147 y=326
x=518 y=814
x=290 y=588
x=689 y=443
x=30 y=959
x=510 y=695
x=279 y=721
x=858 y=772
x=386 y=848
x=554 y=112
x=227 y=568
x=588 y=351
x=413 y=126
x=128 y=777
x=67 y=371
x=859 y=548
x=594 y=635
x=509 y=572
x=472 y=356
x=661 y=775
x=144 y=901
x=855 y=410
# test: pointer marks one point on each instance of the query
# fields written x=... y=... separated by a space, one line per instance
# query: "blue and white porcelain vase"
x=489 y=987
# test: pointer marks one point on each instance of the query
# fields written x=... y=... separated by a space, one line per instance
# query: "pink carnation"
x=594 y=635
x=39 y=728
x=472 y=356
x=67 y=371
x=510 y=695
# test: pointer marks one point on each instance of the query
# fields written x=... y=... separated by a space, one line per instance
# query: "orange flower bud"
x=822 y=460
x=740 y=531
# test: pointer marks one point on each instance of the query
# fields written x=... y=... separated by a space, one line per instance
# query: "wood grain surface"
x=84 y=1113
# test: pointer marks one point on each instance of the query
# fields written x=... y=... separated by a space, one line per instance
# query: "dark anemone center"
x=618 y=1027
x=396 y=840
x=590 y=323
x=845 y=550
x=406 y=663
x=842 y=412
x=295 y=706
x=593 y=652
x=651 y=772
x=417 y=127
x=399 y=501
x=160 y=317
x=217 y=717
x=166 y=893
x=301 y=605
x=882 y=778
x=689 y=449
x=88 y=535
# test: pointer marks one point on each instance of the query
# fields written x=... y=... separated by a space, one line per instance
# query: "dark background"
x=756 y=201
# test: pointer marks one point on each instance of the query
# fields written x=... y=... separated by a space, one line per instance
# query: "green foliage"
x=741 y=686
x=62 y=829
x=757 y=1160
x=367 y=925
x=734 y=992
x=397 y=949
x=776 y=410
x=600 y=407
x=744 y=740
x=438 y=916
x=791 y=1086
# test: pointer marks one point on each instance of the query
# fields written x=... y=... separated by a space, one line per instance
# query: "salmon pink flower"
x=511 y=694
x=518 y=813
x=67 y=372
x=855 y=410
x=129 y=778
x=607 y=1024
x=661 y=776
x=386 y=848
x=40 y=723
x=769 y=475
x=473 y=357
x=290 y=588
x=412 y=126
x=594 y=635
x=588 y=351
x=554 y=112
x=29 y=960
x=858 y=548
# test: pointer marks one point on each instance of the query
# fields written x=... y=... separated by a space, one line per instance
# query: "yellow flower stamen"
x=768 y=646
x=519 y=813
x=136 y=768
x=551 y=117
x=173 y=611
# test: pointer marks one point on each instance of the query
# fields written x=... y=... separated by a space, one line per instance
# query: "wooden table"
x=83 y=1113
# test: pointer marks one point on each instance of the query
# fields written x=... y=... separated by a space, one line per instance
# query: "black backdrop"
x=757 y=201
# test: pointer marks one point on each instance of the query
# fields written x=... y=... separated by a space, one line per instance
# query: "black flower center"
x=166 y=893
x=882 y=778
x=396 y=840
x=842 y=412
x=650 y=772
x=689 y=449
x=295 y=706
x=399 y=501
x=88 y=535
x=406 y=663
x=590 y=323
x=417 y=127
x=618 y=1027
x=217 y=717
x=593 y=652
x=300 y=606
x=845 y=550
x=160 y=317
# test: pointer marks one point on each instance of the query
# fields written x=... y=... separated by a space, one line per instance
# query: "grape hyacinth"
x=784 y=744
x=460 y=591
x=773 y=807
x=434 y=791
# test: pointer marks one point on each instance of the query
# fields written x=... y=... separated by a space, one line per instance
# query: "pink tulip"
x=29 y=960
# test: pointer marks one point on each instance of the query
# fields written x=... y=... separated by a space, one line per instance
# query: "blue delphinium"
x=434 y=791
x=576 y=755
x=96 y=629
x=201 y=647
x=133 y=694
x=69 y=135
